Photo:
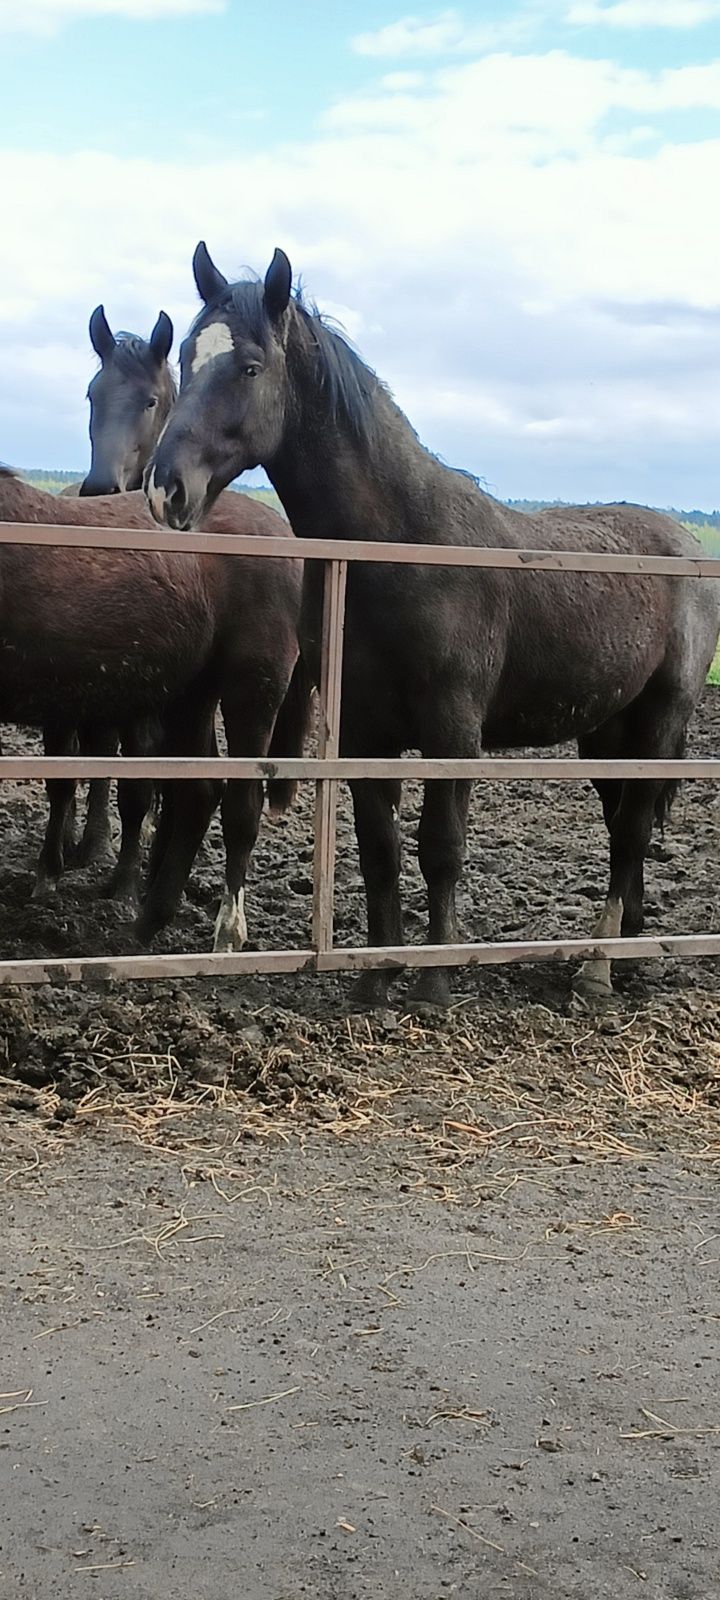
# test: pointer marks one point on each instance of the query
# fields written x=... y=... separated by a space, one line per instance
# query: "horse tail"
x=292 y=726
x=666 y=800
x=669 y=792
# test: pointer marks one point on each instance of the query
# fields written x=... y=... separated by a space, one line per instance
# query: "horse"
x=447 y=660
x=131 y=398
x=105 y=638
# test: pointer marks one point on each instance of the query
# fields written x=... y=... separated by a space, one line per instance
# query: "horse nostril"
x=177 y=499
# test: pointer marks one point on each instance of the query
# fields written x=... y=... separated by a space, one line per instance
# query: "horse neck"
x=335 y=482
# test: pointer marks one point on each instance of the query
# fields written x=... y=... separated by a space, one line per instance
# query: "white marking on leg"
x=156 y=498
x=148 y=828
x=230 y=923
x=213 y=341
x=595 y=974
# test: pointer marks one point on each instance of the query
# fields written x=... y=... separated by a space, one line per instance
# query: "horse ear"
x=102 y=337
x=161 y=338
x=210 y=282
x=278 y=283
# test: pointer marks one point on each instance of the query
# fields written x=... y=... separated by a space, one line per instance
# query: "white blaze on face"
x=156 y=498
x=230 y=924
x=211 y=342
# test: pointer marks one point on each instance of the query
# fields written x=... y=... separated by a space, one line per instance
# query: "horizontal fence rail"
x=99 y=969
x=329 y=767
x=422 y=555
x=560 y=769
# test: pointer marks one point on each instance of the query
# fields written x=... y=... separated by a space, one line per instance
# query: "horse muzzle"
x=171 y=501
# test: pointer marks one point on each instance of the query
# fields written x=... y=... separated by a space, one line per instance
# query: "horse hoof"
x=145 y=929
x=591 y=989
x=370 y=992
x=431 y=991
x=44 y=889
x=92 y=852
x=228 y=944
x=121 y=887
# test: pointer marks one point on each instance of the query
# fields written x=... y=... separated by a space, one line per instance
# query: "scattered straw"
x=269 y=1400
x=106 y=1566
x=496 y=1095
x=662 y=1429
x=21 y=1401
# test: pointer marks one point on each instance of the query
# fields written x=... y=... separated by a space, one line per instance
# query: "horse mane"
x=131 y=352
x=349 y=384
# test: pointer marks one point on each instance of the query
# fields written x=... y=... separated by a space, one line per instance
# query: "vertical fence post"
x=333 y=627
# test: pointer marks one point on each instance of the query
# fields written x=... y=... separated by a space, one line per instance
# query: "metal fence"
x=328 y=768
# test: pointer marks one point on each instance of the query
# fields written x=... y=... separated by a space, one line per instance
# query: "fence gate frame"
x=328 y=768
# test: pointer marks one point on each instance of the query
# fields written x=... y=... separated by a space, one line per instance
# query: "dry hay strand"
x=519 y=1093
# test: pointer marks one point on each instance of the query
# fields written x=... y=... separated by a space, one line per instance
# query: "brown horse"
x=100 y=638
x=441 y=659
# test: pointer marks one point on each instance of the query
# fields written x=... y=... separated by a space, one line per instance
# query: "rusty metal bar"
x=99 y=969
x=333 y=629
x=561 y=769
x=289 y=549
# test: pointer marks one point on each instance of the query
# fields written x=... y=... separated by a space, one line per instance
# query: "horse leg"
x=376 y=805
x=441 y=850
x=654 y=729
x=60 y=830
x=189 y=731
x=162 y=833
x=630 y=831
x=96 y=841
x=135 y=798
x=248 y=728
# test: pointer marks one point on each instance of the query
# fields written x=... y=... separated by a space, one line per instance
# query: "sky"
x=512 y=207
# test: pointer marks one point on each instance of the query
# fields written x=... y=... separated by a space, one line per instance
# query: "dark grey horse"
x=130 y=398
x=444 y=660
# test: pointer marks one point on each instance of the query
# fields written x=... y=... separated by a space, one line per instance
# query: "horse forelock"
x=133 y=356
x=326 y=357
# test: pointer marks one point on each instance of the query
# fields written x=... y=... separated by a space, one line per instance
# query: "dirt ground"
x=299 y=1303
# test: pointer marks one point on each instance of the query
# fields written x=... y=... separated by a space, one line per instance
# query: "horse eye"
x=151 y=402
x=250 y=372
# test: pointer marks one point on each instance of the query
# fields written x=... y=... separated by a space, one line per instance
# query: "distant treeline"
x=696 y=519
x=706 y=524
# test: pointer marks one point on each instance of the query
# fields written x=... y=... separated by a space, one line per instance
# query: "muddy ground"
x=298 y=1303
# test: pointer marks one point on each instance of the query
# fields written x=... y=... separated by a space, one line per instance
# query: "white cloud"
x=412 y=37
x=397 y=82
x=544 y=300
x=447 y=34
x=48 y=16
x=542 y=104
x=644 y=13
